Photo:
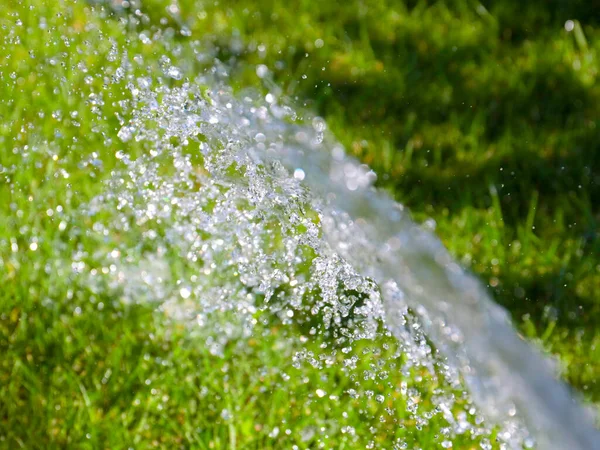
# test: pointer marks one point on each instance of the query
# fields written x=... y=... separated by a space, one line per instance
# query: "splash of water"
x=232 y=210
x=264 y=206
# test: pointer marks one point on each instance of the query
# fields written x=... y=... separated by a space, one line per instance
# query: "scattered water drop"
x=262 y=71
x=299 y=174
x=125 y=133
x=569 y=25
x=174 y=73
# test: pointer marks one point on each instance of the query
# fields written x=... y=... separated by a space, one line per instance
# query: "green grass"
x=483 y=117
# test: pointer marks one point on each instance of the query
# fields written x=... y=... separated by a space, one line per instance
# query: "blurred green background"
x=482 y=117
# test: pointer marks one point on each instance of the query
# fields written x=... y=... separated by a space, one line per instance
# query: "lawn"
x=481 y=117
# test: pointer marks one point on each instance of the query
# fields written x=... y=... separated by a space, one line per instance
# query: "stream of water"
x=271 y=207
x=224 y=206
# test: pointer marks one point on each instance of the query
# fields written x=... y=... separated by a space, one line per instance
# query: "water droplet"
x=262 y=71
x=569 y=25
x=226 y=415
x=174 y=73
x=125 y=133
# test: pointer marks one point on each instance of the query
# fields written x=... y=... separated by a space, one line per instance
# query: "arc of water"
x=504 y=372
